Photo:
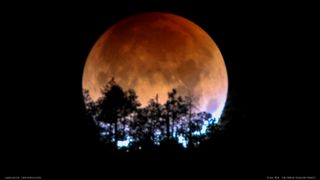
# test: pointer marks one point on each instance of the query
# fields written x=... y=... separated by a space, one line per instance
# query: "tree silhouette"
x=129 y=110
x=139 y=126
x=120 y=117
x=90 y=105
x=111 y=105
x=176 y=108
x=154 y=109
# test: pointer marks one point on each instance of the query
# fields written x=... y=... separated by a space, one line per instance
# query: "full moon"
x=155 y=52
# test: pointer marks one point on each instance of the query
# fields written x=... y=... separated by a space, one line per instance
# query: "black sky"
x=268 y=51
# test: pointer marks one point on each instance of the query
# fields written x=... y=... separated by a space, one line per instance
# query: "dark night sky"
x=272 y=102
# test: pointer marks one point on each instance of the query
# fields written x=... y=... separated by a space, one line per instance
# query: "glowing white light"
x=204 y=129
x=103 y=133
x=182 y=141
x=218 y=113
x=157 y=136
x=206 y=123
x=103 y=125
x=196 y=133
x=124 y=143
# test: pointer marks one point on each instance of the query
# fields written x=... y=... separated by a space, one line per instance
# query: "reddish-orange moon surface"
x=155 y=52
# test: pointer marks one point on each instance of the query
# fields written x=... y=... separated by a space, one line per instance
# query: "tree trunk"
x=190 y=123
x=168 y=127
x=116 y=132
x=172 y=126
x=124 y=122
x=152 y=129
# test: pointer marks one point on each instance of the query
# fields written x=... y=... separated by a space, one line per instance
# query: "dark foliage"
x=124 y=124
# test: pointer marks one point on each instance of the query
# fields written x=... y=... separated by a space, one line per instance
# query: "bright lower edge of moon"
x=153 y=53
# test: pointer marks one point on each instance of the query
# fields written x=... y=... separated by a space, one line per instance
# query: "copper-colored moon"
x=155 y=52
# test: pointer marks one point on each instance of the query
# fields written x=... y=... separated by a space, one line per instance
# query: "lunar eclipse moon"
x=155 y=52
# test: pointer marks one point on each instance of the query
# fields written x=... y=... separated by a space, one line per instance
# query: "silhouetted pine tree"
x=129 y=110
x=90 y=105
x=154 y=118
x=111 y=106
